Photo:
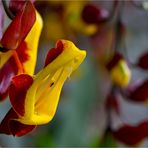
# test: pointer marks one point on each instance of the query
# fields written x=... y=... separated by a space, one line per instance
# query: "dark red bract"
x=132 y=135
x=94 y=15
x=11 y=127
x=139 y=93
x=143 y=61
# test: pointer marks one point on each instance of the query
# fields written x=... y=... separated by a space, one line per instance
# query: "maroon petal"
x=143 y=61
x=94 y=15
x=132 y=135
x=4 y=126
x=139 y=93
x=18 y=129
x=17 y=92
x=54 y=52
x=11 y=127
x=9 y=70
x=19 y=27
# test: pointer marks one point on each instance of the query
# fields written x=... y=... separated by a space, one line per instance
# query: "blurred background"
x=81 y=117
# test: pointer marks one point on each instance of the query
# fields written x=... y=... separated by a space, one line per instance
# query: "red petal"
x=132 y=135
x=11 y=127
x=94 y=15
x=18 y=90
x=20 y=27
x=140 y=93
x=143 y=61
x=54 y=52
x=9 y=70
x=18 y=129
x=4 y=126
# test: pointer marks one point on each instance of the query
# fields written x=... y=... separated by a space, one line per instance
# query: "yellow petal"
x=121 y=74
x=32 y=41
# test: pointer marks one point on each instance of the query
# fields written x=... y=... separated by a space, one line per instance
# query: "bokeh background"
x=80 y=119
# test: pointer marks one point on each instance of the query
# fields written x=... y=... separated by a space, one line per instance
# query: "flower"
x=119 y=71
x=22 y=58
x=34 y=99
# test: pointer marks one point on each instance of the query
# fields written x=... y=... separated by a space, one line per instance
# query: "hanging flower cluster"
x=118 y=68
x=34 y=97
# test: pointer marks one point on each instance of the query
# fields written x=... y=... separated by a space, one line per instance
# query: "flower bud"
x=119 y=71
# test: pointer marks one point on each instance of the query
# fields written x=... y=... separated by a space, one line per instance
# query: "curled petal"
x=19 y=27
x=53 y=53
x=16 y=5
x=132 y=135
x=11 y=127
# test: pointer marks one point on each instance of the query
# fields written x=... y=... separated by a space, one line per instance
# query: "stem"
x=117 y=21
x=7 y=10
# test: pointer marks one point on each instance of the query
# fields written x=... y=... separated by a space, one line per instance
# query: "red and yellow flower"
x=19 y=46
x=34 y=99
